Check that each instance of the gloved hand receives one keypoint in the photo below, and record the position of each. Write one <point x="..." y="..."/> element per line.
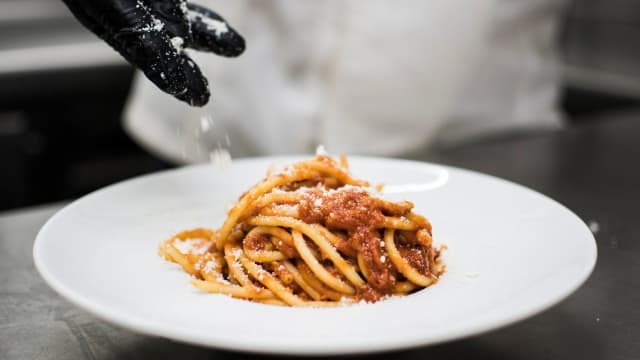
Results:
<point x="151" y="34"/>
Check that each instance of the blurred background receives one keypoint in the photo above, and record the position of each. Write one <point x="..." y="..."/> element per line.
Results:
<point x="62" y="93"/>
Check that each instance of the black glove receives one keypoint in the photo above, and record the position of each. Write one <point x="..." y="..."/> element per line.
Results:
<point x="150" y="34"/>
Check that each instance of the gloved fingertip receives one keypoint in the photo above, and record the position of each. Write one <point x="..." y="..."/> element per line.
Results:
<point x="196" y="91"/>
<point x="195" y="99"/>
<point x="210" y="32"/>
<point x="236" y="45"/>
<point x="229" y="43"/>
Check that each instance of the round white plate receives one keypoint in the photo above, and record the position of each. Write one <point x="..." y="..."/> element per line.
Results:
<point x="511" y="254"/>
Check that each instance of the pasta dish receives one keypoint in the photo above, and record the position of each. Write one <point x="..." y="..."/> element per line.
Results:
<point x="311" y="235"/>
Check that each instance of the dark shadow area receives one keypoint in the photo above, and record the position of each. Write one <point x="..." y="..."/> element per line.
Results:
<point x="61" y="135"/>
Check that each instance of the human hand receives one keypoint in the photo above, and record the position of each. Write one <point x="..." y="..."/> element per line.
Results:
<point x="151" y="35"/>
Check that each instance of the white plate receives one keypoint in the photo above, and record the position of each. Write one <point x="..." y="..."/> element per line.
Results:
<point x="512" y="253"/>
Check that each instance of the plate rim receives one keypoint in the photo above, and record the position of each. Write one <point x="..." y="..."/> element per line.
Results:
<point x="108" y="315"/>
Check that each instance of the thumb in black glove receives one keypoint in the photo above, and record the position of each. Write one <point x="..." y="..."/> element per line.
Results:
<point x="151" y="34"/>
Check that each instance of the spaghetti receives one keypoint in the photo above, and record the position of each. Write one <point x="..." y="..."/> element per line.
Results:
<point x="311" y="235"/>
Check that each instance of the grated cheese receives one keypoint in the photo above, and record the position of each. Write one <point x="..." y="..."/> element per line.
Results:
<point x="210" y="266"/>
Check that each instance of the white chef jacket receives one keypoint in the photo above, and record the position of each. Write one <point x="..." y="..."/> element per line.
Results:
<point x="378" y="77"/>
